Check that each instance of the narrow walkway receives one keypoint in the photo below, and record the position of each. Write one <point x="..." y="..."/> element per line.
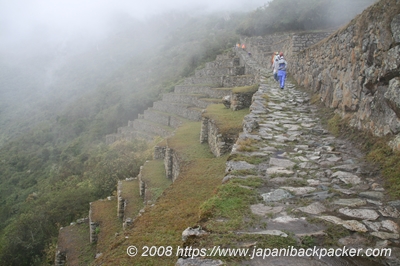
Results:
<point x="315" y="183"/>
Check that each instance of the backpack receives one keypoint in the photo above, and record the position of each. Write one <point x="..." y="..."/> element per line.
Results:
<point x="282" y="64"/>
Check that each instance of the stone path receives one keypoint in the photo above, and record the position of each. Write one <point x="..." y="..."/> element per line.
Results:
<point x="312" y="177"/>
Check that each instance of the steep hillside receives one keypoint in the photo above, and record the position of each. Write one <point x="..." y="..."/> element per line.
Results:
<point x="54" y="159"/>
<point x="289" y="184"/>
<point x="57" y="152"/>
<point x="289" y="187"/>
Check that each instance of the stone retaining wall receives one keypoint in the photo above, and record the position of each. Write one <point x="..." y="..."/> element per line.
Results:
<point x="171" y="164"/>
<point x="60" y="258"/>
<point x="120" y="201"/>
<point x="211" y="92"/>
<point x="241" y="100"/>
<point x="210" y="72"/>
<point x="150" y="128"/>
<point x="262" y="48"/>
<point x="213" y="81"/>
<point x="238" y="81"/>
<point x="219" y="63"/>
<point x="356" y="70"/>
<point x="177" y="109"/>
<point x="224" y="72"/>
<point x="171" y="161"/>
<point x="92" y="227"/>
<point x="193" y="100"/>
<point x="218" y="143"/>
<point x="162" y="118"/>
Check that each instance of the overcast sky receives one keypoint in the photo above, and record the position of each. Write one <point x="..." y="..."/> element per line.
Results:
<point x="21" y="17"/>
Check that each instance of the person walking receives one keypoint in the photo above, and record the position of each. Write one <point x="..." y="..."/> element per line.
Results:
<point x="282" y="65"/>
<point x="274" y="65"/>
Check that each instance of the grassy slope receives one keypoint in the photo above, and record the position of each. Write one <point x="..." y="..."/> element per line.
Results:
<point x="178" y="207"/>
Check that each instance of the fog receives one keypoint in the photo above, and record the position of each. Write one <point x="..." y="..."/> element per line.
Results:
<point x="20" y="19"/>
<point x="46" y="44"/>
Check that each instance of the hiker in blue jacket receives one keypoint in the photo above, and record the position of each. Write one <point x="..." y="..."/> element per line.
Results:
<point x="282" y="65"/>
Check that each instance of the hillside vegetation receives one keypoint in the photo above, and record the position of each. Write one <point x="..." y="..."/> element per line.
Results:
<point x="53" y="159"/>
<point x="300" y="15"/>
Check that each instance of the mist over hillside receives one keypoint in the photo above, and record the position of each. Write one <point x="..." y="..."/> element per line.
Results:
<point x="52" y="54"/>
<point x="74" y="72"/>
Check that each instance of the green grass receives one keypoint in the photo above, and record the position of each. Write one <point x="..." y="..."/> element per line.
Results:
<point x="231" y="202"/>
<point x="246" y="145"/>
<point x="227" y="120"/>
<point x="186" y="142"/>
<point x="104" y="212"/>
<point x="249" y="159"/>
<point x="246" y="89"/>
<point x="153" y="174"/>
<point x="178" y="207"/>
<point x="130" y="193"/>
<point x="334" y="125"/>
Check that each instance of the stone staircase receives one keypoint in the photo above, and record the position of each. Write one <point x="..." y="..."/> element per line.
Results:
<point x="313" y="182"/>
<point x="207" y="86"/>
<point x="313" y="179"/>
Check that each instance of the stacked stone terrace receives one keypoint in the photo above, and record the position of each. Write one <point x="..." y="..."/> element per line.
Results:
<point x="207" y="86"/>
<point x="311" y="176"/>
<point x="187" y="102"/>
<point x="312" y="181"/>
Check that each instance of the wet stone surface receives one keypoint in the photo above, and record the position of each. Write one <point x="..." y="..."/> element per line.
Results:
<point x="313" y="180"/>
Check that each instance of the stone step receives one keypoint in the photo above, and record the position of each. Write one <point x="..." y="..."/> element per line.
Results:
<point x="190" y="99"/>
<point x="222" y="81"/>
<point x="210" y="91"/>
<point x="220" y="71"/>
<point x="226" y="56"/>
<point x="128" y="133"/>
<point x="196" y="100"/>
<point x="163" y="118"/>
<point x="239" y="81"/>
<point x="215" y="81"/>
<point x="182" y="110"/>
<point x="152" y="128"/>
<point x="223" y="62"/>
<point x="310" y="174"/>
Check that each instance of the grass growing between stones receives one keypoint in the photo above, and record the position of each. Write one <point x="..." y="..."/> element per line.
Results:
<point x="247" y="145"/>
<point x="231" y="203"/>
<point x="249" y="159"/>
<point x="377" y="149"/>
<point x="247" y="241"/>
<point x="228" y="211"/>
<point x="334" y="125"/>
<point x="389" y="162"/>
<point x="377" y="152"/>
